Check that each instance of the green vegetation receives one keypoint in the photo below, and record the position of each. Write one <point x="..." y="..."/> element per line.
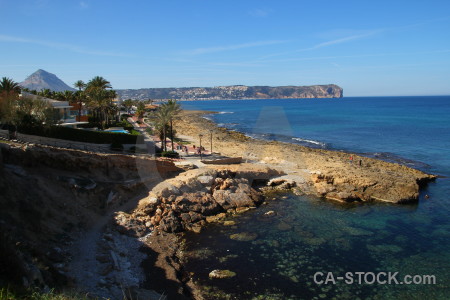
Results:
<point x="18" y="111"/>
<point x="31" y="115"/>
<point x="128" y="104"/>
<point x="79" y="96"/>
<point x="78" y="135"/>
<point x="97" y="94"/>
<point x="8" y="86"/>
<point x="163" y="121"/>
<point x="123" y="123"/>
<point x="170" y="154"/>
<point x="134" y="132"/>
<point x="8" y="294"/>
<point x="149" y="130"/>
<point x="116" y="146"/>
<point x="181" y="141"/>
<point x="99" y="99"/>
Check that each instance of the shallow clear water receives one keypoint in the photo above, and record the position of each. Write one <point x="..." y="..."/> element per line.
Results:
<point x="310" y="235"/>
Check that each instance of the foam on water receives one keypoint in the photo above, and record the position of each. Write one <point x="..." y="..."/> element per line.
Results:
<point x="322" y="145"/>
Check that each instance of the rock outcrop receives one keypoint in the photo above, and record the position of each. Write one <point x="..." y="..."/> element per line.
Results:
<point x="190" y="200"/>
<point x="325" y="173"/>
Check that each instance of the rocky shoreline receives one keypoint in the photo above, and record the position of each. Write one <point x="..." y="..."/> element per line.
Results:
<point x="331" y="174"/>
<point x="132" y="211"/>
<point x="215" y="193"/>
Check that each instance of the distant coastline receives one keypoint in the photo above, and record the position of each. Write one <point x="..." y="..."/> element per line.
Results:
<point x="235" y="92"/>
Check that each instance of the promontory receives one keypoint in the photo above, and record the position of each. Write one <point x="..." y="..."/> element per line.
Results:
<point x="235" y="92"/>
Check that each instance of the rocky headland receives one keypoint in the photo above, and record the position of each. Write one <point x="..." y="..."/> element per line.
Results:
<point x="331" y="174"/>
<point x="236" y="92"/>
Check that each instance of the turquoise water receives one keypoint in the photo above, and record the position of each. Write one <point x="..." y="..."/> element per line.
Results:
<point x="309" y="235"/>
<point x="118" y="131"/>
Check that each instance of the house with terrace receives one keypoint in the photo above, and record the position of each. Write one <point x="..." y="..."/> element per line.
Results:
<point x="64" y="111"/>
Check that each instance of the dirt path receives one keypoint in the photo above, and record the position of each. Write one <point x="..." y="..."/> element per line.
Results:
<point x="106" y="264"/>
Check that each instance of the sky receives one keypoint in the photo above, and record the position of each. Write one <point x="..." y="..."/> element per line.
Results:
<point x="369" y="48"/>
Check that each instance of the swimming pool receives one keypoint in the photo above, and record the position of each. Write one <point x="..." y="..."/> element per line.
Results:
<point x="118" y="131"/>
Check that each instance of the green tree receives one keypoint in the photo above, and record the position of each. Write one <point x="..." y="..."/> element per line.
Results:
<point x="174" y="110"/>
<point x="128" y="104"/>
<point x="98" y="82"/>
<point x="164" y="119"/>
<point x="9" y="87"/>
<point x="100" y="99"/>
<point x="79" y="95"/>
<point x="140" y="111"/>
<point x="31" y="112"/>
<point x="9" y="94"/>
<point x="47" y="93"/>
<point x="161" y="121"/>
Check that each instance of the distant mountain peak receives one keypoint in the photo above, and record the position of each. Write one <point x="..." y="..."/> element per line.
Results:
<point x="42" y="79"/>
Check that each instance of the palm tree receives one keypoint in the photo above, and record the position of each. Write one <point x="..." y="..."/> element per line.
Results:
<point x="98" y="82"/>
<point x="68" y="95"/>
<point x="140" y="111"/>
<point x="63" y="96"/>
<point x="128" y="104"/>
<point x="9" y="94"/>
<point x="47" y="93"/>
<point x="9" y="86"/>
<point x="99" y="101"/>
<point x="99" y="97"/>
<point x="161" y="124"/>
<point x="174" y="110"/>
<point x="80" y="85"/>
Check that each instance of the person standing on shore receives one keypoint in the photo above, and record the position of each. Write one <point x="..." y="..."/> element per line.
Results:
<point x="351" y="159"/>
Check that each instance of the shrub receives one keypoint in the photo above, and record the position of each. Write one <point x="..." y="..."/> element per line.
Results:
<point x="132" y="149"/>
<point x="116" y="146"/>
<point x="79" y="135"/>
<point x="124" y="116"/>
<point x="89" y="125"/>
<point x="170" y="154"/>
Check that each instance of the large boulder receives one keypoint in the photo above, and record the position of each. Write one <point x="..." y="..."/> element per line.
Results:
<point x="184" y="202"/>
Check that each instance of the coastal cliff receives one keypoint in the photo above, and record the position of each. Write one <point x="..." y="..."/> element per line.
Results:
<point x="235" y="92"/>
<point x="55" y="205"/>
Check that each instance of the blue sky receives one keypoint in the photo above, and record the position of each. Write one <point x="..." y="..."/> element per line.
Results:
<point x="367" y="47"/>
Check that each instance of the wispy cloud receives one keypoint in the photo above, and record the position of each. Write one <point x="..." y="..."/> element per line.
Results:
<point x="342" y="40"/>
<point x="207" y="50"/>
<point x="73" y="48"/>
<point x="83" y="5"/>
<point x="327" y="43"/>
<point x="445" y="51"/>
<point x="235" y="64"/>
<point x="258" y="12"/>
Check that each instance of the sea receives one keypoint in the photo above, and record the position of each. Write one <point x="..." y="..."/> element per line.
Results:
<point x="313" y="248"/>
